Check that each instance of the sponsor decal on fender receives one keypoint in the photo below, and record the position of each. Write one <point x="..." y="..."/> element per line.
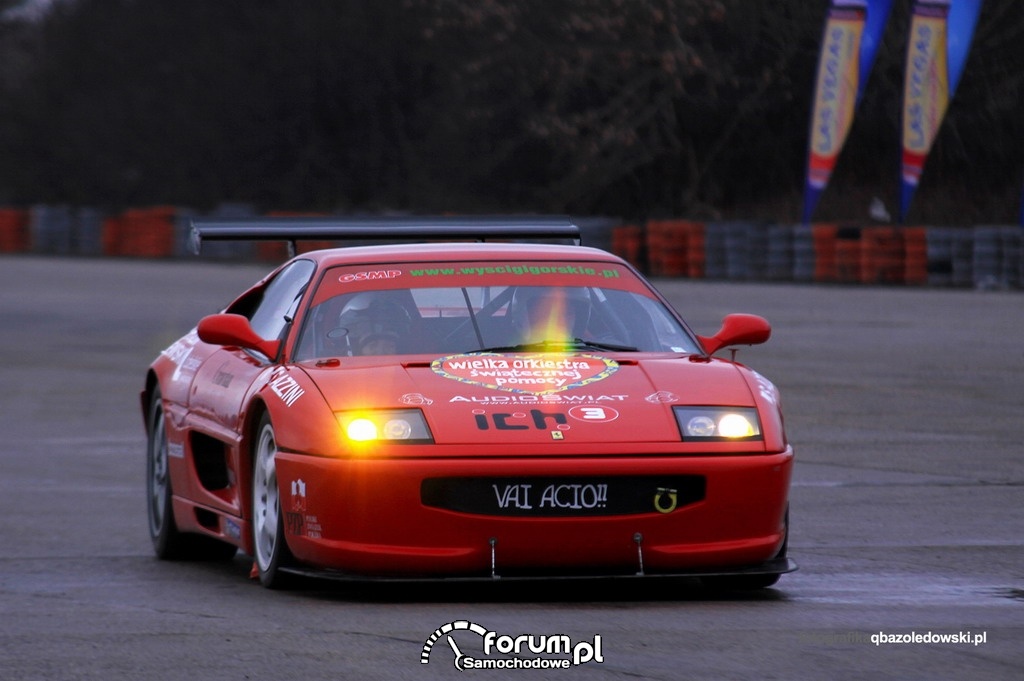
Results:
<point x="179" y="353"/>
<point x="232" y="529"/>
<point x="297" y="520"/>
<point x="286" y="387"/>
<point x="299" y="495"/>
<point x="531" y="374"/>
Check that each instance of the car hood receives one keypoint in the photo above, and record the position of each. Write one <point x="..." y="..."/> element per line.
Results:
<point x="533" y="398"/>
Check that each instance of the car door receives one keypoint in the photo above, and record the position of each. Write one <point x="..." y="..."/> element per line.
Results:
<point x="224" y="379"/>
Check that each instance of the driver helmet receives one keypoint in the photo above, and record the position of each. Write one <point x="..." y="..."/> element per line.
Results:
<point x="373" y="325"/>
<point x="550" y="312"/>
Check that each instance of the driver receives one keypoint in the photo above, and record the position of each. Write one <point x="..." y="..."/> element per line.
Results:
<point x="550" y="313"/>
<point x="372" y="325"/>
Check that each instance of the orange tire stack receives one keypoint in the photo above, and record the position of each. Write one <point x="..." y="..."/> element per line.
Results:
<point x="881" y="256"/>
<point x="675" y="248"/>
<point x="14" y="231"/>
<point x="696" y="256"/>
<point x="627" y="243"/>
<point x="915" y="256"/>
<point x="666" y="250"/>
<point x="141" y="233"/>
<point x="824" y="237"/>
<point x="848" y="254"/>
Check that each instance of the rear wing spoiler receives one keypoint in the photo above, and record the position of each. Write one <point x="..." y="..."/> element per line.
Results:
<point x="381" y="228"/>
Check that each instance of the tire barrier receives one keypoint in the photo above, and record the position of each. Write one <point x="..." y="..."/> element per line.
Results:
<point x="951" y="258"/>
<point x="50" y="229"/>
<point x="989" y="257"/>
<point x="804" y="260"/>
<point x="143" y="233"/>
<point x="628" y="244"/>
<point x="826" y="252"/>
<point x="986" y="257"/>
<point x="996" y="260"/>
<point x="882" y="256"/>
<point x="915" y="256"/>
<point x="674" y="248"/>
<point x="14" y="234"/>
<point x="781" y="253"/>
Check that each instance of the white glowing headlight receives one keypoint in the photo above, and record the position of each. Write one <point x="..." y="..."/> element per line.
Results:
<point x="361" y="430"/>
<point x="718" y="424"/>
<point x="405" y="426"/>
<point x="735" y="425"/>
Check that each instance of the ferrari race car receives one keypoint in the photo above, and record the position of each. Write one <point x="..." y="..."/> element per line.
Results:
<point x="464" y="409"/>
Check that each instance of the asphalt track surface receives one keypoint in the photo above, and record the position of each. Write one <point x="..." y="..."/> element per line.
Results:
<point x="904" y="405"/>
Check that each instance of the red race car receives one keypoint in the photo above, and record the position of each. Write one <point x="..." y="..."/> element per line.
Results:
<point x="463" y="410"/>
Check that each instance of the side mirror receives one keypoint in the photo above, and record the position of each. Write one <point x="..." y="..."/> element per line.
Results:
<point x="234" y="329"/>
<point x="737" y="329"/>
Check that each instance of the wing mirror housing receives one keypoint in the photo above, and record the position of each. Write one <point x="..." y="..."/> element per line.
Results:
<point x="738" y="329"/>
<point x="234" y="330"/>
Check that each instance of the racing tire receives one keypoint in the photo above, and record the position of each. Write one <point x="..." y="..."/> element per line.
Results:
<point x="749" y="582"/>
<point x="270" y="548"/>
<point x="169" y="543"/>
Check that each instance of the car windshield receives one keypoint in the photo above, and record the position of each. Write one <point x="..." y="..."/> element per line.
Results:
<point x="452" y="308"/>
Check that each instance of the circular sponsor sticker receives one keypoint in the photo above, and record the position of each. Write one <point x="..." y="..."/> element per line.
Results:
<point x="535" y="374"/>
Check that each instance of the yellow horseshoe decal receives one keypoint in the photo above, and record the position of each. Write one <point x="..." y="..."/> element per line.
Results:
<point x="673" y="498"/>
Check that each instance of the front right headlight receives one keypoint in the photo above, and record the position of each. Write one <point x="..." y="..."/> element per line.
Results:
<point x="718" y="424"/>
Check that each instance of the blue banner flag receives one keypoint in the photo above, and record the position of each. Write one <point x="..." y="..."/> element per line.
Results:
<point x="853" y="32"/>
<point x="937" y="47"/>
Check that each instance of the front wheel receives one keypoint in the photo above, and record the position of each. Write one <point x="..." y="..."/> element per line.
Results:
<point x="268" y="540"/>
<point x="162" y="529"/>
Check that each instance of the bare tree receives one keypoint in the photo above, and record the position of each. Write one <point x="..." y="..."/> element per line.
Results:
<point x="603" y="92"/>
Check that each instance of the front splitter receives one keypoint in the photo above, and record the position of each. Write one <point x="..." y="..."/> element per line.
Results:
<point x="775" y="566"/>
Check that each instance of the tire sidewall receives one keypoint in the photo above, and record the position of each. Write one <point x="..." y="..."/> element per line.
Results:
<point x="270" y="570"/>
<point x="163" y="533"/>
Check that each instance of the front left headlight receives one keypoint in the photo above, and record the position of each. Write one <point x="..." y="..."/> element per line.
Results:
<point x="718" y="424"/>
<point x="394" y="426"/>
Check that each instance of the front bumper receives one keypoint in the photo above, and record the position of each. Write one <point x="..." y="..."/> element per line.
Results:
<point x="367" y="517"/>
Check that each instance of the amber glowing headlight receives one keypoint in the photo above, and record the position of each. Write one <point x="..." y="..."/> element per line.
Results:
<point x="718" y="424"/>
<point x="398" y="426"/>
